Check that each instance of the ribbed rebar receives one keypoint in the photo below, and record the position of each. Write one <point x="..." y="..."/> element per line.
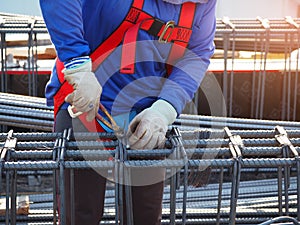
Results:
<point x="11" y="106"/>
<point x="89" y="164"/>
<point x="20" y="103"/>
<point x="35" y="145"/>
<point x="210" y="133"/>
<point x="205" y="148"/>
<point x="92" y="144"/>
<point x="33" y="136"/>
<point x="32" y="165"/>
<point x="24" y="98"/>
<point x="27" y="126"/>
<point x="241" y="125"/>
<point x="167" y="163"/>
<point x="31" y="145"/>
<point x="27" y="121"/>
<point x="47" y="136"/>
<point x="27" y="112"/>
<point x="247" y="142"/>
<point x="147" y="154"/>
<point x="240" y="120"/>
<point x="32" y="155"/>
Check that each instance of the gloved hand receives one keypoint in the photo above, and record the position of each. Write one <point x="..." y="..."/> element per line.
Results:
<point x="148" y="129"/>
<point x="87" y="90"/>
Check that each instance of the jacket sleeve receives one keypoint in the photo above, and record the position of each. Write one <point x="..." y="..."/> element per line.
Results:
<point x="64" y="23"/>
<point x="190" y="70"/>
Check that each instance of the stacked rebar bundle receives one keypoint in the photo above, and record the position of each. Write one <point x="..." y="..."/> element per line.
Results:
<point x="20" y="111"/>
<point x="187" y="156"/>
<point x="25" y="112"/>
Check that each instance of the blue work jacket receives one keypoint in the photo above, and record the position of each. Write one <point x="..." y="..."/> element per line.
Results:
<point x="78" y="27"/>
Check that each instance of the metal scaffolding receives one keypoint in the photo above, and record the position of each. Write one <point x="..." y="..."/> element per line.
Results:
<point x="264" y="38"/>
<point x="33" y="28"/>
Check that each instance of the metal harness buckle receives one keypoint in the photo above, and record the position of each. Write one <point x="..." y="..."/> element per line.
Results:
<point x="169" y="24"/>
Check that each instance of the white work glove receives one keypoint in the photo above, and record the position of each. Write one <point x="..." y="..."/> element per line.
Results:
<point x="148" y="129"/>
<point x="87" y="90"/>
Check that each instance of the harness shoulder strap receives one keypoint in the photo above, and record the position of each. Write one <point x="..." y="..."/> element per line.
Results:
<point x="134" y="15"/>
<point x="99" y="55"/>
<point x="179" y="47"/>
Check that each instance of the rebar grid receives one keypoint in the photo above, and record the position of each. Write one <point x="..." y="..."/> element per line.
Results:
<point x="225" y="203"/>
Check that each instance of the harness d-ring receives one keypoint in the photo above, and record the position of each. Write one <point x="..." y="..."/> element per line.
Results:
<point x="170" y="24"/>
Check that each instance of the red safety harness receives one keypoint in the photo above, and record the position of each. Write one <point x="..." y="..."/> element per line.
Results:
<point x="127" y="31"/>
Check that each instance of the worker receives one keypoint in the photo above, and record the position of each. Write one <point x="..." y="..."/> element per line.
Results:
<point x="144" y="59"/>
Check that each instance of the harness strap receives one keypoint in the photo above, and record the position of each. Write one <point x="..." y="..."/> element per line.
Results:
<point x="134" y="16"/>
<point x="64" y="90"/>
<point x="179" y="47"/>
<point x="167" y="32"/>
<point x="129" y="50"/>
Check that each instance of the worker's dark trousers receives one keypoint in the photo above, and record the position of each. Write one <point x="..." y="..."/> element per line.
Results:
<point x="89" y="189"/>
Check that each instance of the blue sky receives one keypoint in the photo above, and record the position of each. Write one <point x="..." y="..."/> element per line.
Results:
<point x="25" y="7"/>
